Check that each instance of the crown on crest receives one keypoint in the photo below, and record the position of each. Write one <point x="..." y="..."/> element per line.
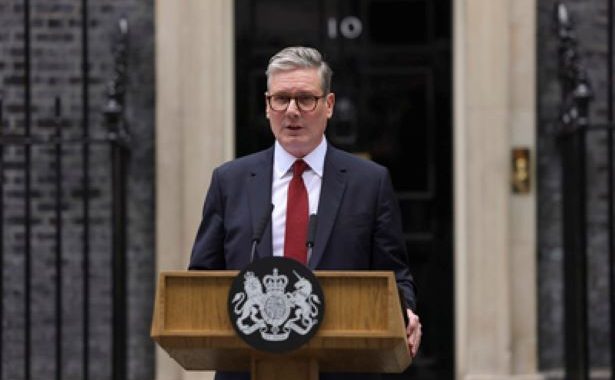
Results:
<point x="275" y="282"/>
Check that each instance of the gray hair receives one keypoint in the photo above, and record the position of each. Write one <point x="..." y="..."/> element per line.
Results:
<point x="300" y="57"/>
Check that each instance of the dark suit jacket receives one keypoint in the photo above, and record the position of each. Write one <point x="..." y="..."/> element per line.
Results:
<point x="359" y="225"/>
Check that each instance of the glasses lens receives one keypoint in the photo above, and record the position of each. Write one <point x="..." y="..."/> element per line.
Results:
<point x="306" y="103"/>
<point x="278" y="102"/>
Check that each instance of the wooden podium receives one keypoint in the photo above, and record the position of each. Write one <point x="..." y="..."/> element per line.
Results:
<point x="362" y="330"/>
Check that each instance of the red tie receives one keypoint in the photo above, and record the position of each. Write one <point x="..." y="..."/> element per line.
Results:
<point x="296" y="216"/>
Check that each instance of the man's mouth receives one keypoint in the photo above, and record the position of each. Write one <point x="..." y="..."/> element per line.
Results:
<point x="293" y="127"/>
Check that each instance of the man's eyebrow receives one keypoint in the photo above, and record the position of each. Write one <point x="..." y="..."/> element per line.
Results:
<point x="289" y="94"/>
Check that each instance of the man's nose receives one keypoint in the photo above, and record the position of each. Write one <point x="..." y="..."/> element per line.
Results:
<point x="292" y="106"/>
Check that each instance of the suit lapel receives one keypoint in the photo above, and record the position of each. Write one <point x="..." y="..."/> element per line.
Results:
<point x="259" y="193"/>
<point x="331" y="194"/>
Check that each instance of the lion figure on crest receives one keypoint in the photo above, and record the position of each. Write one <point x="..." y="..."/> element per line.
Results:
<point x="248" y="305"/>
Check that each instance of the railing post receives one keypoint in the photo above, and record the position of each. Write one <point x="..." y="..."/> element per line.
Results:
<point x="1" y="239"/>
<point x="575" y="261"/>
<point x="58" y="235"/>
<point x="576" y="96"/>
<point x="611" y="182"/>
<point x="119" y="138"/>
<point x="85" y="154"/>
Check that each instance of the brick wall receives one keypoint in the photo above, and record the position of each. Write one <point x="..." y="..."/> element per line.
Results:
<point x="56" y="72"/>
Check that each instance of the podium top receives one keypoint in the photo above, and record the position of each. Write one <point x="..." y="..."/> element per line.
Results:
<point x="362" y="330"/>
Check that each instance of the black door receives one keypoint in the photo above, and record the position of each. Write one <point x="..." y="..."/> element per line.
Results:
<point x="392" y="79"/>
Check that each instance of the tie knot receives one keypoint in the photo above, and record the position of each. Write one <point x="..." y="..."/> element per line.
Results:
<point x="299" y="167"/>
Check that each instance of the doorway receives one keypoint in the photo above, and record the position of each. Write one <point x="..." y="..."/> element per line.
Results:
<point x="392" y="79"/>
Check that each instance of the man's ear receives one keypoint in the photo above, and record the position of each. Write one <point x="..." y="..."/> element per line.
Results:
<point x="330" y="101"/>
<point x="266" y="108"/>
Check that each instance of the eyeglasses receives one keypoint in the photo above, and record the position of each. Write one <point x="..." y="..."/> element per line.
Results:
<point x="305" y="103"/>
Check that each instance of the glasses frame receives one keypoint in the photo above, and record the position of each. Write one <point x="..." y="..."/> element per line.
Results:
<point x="291" y="98"/>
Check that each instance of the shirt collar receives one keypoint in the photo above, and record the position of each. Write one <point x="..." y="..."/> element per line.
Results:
<point x="283" y="161"/>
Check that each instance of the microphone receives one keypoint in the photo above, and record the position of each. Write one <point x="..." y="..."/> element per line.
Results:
<point x="259" y="230"/>
<point x="311" y="235"/>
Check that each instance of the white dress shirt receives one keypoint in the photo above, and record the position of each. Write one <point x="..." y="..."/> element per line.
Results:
<point x="282" y="174"/>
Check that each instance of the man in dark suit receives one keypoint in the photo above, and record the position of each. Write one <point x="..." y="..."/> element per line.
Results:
<point x="359" y="225"/>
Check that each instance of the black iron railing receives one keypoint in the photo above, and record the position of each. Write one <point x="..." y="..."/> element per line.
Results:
<point x="120" y="139"/>
<point x="117" y="140"/>
<point x="574" y="124"/>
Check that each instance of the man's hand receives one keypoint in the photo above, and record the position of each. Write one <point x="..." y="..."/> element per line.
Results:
<point x="413" y="332"/>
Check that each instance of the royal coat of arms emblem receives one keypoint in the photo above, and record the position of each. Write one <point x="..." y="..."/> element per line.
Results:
<point x="276" y="304"/>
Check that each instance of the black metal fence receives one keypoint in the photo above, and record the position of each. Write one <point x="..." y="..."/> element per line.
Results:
<point x="22" y="152"/>
<point x="575" y="128"/>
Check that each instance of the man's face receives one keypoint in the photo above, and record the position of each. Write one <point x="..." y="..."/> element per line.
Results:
<point x="299" y="132"/>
